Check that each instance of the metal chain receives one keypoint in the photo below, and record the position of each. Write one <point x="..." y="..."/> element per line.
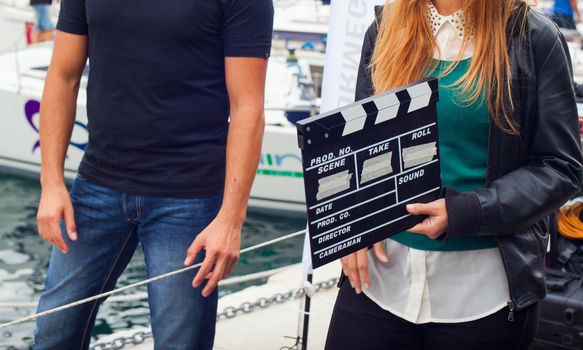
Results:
<point x="228" y="312"/>
<point x="277" y="298"/>
<point x="121" y="342"/>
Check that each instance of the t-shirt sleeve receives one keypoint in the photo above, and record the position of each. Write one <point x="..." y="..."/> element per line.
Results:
<point x="72" y="17"/>
<point x="247" y="28"/>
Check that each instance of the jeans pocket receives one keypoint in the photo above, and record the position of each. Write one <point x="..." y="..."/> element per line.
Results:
<point x="84" y="187"/>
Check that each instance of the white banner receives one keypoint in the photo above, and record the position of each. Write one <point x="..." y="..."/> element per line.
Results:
<point x="349" y="20"/>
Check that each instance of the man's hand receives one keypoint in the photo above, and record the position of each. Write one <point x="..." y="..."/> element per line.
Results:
<point x="55" y="205"/>
<point x="245" y="78"/>
<point x="57" y="117"/>
<point x="355" y="266"/>
<point x="436" y="222"/>
<point x="222" y="242"/>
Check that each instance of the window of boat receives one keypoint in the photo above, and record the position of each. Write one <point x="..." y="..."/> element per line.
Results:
<point x="46" y="68"/>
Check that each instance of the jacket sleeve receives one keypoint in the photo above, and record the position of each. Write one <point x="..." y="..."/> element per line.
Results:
<point x="364" y="87"/>
<point x="552" y="175"/>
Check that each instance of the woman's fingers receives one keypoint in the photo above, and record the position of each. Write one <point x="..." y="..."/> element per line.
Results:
<point x="355" y="267"/>
<point x="362" y="267"/>
<point x="423" y="227"/>
<point x="349" y="268"/>
<point x="380" y="251"/>
<point x="422" y="208"/>
<point x="435" y="224"/>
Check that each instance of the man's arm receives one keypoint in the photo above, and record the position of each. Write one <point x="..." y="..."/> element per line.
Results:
<point x="222" y="238"/>
<point x="57" y="117"/>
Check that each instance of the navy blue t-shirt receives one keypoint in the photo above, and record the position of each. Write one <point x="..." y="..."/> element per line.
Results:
<point x="157" y="102"/>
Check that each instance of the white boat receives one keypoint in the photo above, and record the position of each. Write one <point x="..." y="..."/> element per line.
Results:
<point x="297" y="22"/>
<point x="278" y="186"/>
<point x="301" y="20"/>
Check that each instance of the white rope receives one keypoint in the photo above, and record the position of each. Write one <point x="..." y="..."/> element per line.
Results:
<point x="141" y="283"/>
<point x="143" y="295"/>
<point x="18" y="305"/>
<point x="251" y="277"/>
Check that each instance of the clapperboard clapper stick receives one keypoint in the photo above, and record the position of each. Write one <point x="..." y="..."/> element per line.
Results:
<point x="363" y="163"/>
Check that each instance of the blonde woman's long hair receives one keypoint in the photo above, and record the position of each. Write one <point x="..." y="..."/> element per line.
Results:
<point x="405" y="45"/>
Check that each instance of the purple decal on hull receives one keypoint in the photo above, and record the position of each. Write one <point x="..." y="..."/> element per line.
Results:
<point x="31" y="108"/>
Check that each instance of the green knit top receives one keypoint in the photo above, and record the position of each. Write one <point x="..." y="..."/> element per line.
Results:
<point x="463" y="147"/>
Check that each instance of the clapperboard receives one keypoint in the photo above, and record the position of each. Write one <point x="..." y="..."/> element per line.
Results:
<point x="363" y="163"/>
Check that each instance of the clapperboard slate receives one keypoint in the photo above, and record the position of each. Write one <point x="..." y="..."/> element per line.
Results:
<point x="363" y="163"/>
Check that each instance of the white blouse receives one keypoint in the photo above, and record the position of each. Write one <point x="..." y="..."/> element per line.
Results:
<point x="433" y="286"/>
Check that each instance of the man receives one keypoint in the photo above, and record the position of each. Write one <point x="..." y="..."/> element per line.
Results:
<point x="563" y="11"/>
<point x="167" y="80"/>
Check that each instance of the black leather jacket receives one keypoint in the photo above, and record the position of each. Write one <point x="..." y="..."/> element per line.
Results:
<point x="529" y="175"/>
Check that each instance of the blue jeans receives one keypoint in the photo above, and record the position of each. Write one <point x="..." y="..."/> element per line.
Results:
<point x="109" y="226"/>
<point x="43" y="17"/>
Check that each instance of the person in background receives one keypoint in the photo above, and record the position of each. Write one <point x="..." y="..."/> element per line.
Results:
<point x="44" y="28"/>
<point x="563" y="12"/>
<point x="175" y="104"/>
<point x="470" y="275"/>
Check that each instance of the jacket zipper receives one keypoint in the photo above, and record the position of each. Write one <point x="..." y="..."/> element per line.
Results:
<point x="510" y="310"/>
<point x="510" y="302"/>
<point x="489" y="175"/>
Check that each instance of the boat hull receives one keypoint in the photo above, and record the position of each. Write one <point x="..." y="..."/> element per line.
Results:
<point x="278" y="186"/>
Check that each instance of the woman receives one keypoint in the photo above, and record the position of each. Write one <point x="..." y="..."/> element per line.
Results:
<point x="470" y="275"/>
<point x="44" y="28"/>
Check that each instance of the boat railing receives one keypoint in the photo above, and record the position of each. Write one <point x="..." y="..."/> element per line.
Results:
<point x="135" y="285"/>
<point x="138" y="336"/>
<point x="252" y="277"/>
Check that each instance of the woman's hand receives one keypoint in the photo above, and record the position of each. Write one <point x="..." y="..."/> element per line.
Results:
<point x="435" y="224"/>
<point x="355" y="266"/>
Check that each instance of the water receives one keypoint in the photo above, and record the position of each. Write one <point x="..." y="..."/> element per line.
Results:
<point x="24" y="259"/>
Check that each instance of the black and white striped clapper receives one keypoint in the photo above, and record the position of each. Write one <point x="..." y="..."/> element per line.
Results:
<point x="363" y="163"/>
